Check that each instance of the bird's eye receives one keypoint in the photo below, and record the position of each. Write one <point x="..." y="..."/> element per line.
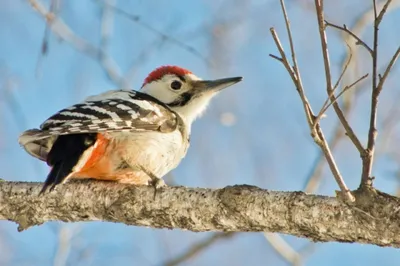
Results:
<point x="176" y="85"/>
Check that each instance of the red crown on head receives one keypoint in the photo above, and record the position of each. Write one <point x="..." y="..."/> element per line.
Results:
<point x="158" y="73"/>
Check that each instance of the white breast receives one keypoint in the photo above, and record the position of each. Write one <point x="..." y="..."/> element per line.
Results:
<point x="157" y="152"/>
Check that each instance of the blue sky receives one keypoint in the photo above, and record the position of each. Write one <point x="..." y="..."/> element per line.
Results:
<point x="268" y="145"/>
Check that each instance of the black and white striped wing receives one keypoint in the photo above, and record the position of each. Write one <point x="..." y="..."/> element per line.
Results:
<point x="121" y="111"/>
<point x="113" y="111"/>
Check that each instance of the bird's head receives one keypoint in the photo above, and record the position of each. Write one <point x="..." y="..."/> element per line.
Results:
<point x="182" y="91"/>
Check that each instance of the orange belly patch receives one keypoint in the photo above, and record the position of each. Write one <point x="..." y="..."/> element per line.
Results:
<point x="103" y="165"/>
<point x="97" y="153"/>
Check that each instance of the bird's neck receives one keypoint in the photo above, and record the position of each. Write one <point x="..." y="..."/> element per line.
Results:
<point x="193" y="110"/>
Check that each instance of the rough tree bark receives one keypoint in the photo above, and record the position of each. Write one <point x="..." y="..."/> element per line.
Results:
<point x="372" y="219"/>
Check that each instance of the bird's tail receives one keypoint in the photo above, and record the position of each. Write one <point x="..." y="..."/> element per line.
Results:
<point x="58" y="173"/>
<point x="37" y="143"/>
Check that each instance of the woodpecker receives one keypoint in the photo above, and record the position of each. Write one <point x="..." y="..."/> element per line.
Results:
<point x="126" y="136"/>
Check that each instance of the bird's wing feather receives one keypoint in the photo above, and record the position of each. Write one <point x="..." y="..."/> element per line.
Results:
<point x="113" y="111"/>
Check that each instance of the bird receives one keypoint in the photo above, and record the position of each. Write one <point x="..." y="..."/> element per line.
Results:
<point x="126" y="136"/>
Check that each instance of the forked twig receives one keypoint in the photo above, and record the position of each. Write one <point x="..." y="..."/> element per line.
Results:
<point x="324" y="44"/>
<point x="368" y="157"/>
<point x="328" y="101"/>
<point x="383" y="11"/>
<point x="387" y="71"/>
<point x="346" y="30"/>
<point x="315" y="128"/>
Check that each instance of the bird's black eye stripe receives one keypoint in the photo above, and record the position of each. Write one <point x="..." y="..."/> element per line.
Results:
<point x="176" y="85"/>
<point x="181" y="78"/>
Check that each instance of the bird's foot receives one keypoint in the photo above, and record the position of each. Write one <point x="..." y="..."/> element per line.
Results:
<point x="156" y="182"/>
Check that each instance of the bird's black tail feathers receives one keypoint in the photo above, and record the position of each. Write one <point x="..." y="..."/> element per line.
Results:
<point x="64" y="155"/>
<point x="58" y="173"/>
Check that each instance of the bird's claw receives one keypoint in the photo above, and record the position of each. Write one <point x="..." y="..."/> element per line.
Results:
<point x="157" y="183"/>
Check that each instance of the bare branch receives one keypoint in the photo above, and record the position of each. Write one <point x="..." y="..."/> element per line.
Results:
<point x="107" y="21"/>
<point x="137" y="19"/>
<point x="284" y="249"/>
<point x="345" y="29"/>
<point x="368" y="157"/>
<point x="231" y="209"/>
<point x="344" y="69"/>
<point x="65" y="240"/>
<point x="289" y="32"/>
<point x="276" y="57"/>
<point x="62" y="30"/>
<point x="361" y="24"/>
<point x="54" y="5"/>
<point x="296" y="81"/>
<point x="197" y="248"/>
<point x="315" y="175"/>
<point x="141" y="58"/>
<point x="383" y="11"/>
<point x="316" y="131"/>
<point x="349" y="131"/>
<point x="387" y="71"/>
<point x="327" y="104"/>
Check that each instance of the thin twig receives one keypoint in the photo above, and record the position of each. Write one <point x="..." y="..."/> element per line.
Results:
<point x="58" y="27"/>
<point x="141" y="58"/>
<point x="284" y="249"/>
<point x="346" y="66"/>
<point x="362" y="23"/>
<point x="65" y="240"/>
<point x="54" y="5"/>
<point x="345" y="29"/>
<point x="299" y="86"/>
<point x="295" y="69"/>
<point x="276" y="57"/>
<point x="349" y="131"/>
<point x="316" y="131"/>
<point x="106" y="27"/>
<point x="313" y="179"/>
<point x="315" y="176"/>
<point x="289" y="33"/>
<point x="333" y="167"/>
<point x="383" y="11"/>
<point x="387" y="71"/>
<point x="368" y="158"/>
<point x="366" y="179"/>
<point x="173" y="40"/>
<point x="197" y="248"/>
<point x="328" y="104"/>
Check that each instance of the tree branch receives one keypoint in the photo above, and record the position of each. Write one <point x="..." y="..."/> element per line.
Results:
<point x="197" y="248"/>
<point x="62" y="30"/>
<point x="324" y="44"/>
<point x="368" y="156"/>
<point x="316" y="131"/>
<point x="373" y="220"/>
<point x="352" y="34"/>
<point x="283" y="249"/>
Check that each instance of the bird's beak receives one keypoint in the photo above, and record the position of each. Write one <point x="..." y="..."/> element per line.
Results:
<point x="216" y="85"/>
